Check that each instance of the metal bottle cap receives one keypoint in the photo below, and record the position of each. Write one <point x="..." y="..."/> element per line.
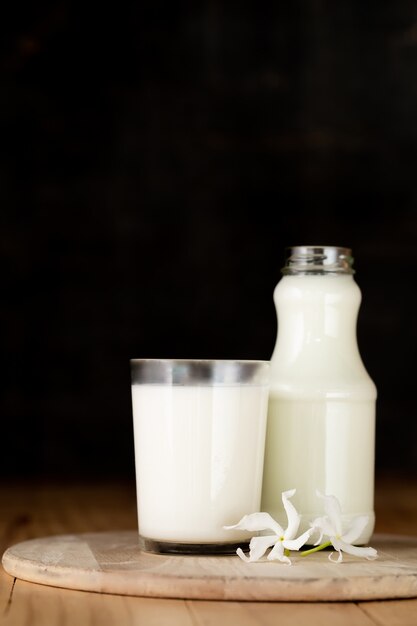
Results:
<point x="318" y="260"/>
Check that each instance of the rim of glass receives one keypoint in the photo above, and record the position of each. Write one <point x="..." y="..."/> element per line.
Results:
<point x="199" y="371"/>
<point x="157" y="360"/>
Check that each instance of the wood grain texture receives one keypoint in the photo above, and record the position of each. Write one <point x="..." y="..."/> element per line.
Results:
<point x="111" y="562"/>
<point x="39" y="509"/>
<point x="47" y="606"/>
<point x="392" y="613"/>
<point x="313" y="614"/>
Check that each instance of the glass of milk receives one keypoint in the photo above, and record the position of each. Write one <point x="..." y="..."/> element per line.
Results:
<point x="199" y="431"/>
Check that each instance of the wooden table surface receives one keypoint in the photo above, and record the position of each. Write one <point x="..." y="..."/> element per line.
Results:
<point x="40" y="509"/>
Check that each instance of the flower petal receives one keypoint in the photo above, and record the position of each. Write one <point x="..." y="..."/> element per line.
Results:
<point x="257" y="521"/>
<point x="242" y="555"/>
<point x="322" y="525"/>
<point x="339" y="558"/>
<point x="333" y="511"/>
<point x="355" y="529"/>
<point x="367" y="553"/>
<point x="295" y="544"/>
<point x="277" y="553"/>
<point x="292" y="515"/>
<point x="259" y="545"/>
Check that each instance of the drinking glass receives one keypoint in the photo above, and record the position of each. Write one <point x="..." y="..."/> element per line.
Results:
<point x="199" y="432"/>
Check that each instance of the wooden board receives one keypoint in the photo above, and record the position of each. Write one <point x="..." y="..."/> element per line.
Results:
<point x="111" y="562"/>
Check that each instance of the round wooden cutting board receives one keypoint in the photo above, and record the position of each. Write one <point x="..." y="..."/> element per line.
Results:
<point x="112" y="562"/>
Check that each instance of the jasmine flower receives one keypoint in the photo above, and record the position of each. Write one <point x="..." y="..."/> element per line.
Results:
<point x="330" y="526"/>
<point x="282" y="540"/>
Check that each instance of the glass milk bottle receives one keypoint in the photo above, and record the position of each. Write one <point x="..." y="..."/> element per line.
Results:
<point x="321" y="415"/>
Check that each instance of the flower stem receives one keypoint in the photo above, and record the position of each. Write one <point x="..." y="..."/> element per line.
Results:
<point x="316" y="549"/>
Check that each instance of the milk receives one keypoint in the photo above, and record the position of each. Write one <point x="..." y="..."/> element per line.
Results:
<point x="199" y="454"/>
<point x="321" y="416"/>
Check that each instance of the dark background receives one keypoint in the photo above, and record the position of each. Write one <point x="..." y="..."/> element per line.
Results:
<point x="156" y="159"/>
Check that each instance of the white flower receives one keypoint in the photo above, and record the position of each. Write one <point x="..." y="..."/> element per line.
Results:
<point x="331" y="527"/>
<point x="281" y="540"/>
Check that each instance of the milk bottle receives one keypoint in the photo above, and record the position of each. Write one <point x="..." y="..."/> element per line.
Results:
<point x="321" y="415"/>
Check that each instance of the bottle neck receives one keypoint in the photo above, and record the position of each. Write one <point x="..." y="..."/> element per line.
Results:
<point x="317" y="317"/>
<point x="318" y="306"/>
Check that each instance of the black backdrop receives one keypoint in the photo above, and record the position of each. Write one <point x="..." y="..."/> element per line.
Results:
<point x="156" y="160"/>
